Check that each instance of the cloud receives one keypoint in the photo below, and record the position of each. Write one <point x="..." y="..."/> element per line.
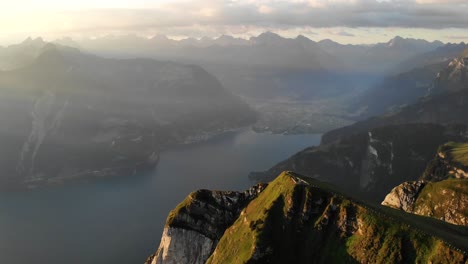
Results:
<point x="179" y="16"/>
<point x="314" y="13"/>
<point x="457" y="37"/>
<point x="344" y="34"/>
<point x="440" y="1"/>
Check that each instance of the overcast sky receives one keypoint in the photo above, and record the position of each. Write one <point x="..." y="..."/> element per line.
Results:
<point x="346" y="21"/>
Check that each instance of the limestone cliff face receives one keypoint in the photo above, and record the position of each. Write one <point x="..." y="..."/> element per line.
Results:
<point x="404" y="195"/>
<point x="194" y="228"/>
<point x="180" y="245"/>
<point x="445" y="200"/>
<point x="454" y="77"/>
<point x="442" y="191"/>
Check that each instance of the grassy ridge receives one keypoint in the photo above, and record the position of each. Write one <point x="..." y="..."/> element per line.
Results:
<point x="240" y="240"/>
<point x="444" y="200"/>
<point x="274" y="228"/>
<point x="456" y="236"/>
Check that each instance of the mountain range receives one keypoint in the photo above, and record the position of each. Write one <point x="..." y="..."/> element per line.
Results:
<point x="266" y="49"/>
<point x="389" y="187"/>
<point x="69" y="115"/>
<point x="334" y="84"/>
<point x="353" y="156"/>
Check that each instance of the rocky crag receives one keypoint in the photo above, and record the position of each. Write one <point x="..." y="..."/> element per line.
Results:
<point x="442" y="191"/>
<point x="194" y="228"/>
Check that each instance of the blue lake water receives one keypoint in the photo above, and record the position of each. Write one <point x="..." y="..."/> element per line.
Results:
<point x="120" y="220"/>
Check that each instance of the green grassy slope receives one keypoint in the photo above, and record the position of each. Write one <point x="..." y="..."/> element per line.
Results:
<point x="458" y="152"/>
<point x="300" y="220"/>
<point x="446" y="200"/>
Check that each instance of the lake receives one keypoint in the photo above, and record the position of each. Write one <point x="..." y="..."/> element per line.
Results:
<point x="120" y="220"/>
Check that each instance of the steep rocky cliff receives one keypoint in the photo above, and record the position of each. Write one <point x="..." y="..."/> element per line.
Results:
<point x="445" y="200"/>
<point x="404" y="195"/>
<point x="194" y="228"/>
<point x="373" y="162"/>
<point x="454" y="77"/>
<point x="300" y="220"/>
<point x="442" y="192"/>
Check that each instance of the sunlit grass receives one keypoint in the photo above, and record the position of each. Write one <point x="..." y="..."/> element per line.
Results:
<point x="458" y="152"/>
<point x="386" y="235"/>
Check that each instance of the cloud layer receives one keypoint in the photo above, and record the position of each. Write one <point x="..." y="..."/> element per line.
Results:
<point x="314" y="13"/>
<point x="208" y="17"/>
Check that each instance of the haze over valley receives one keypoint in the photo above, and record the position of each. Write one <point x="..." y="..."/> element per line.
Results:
<point x="166" y="132"/>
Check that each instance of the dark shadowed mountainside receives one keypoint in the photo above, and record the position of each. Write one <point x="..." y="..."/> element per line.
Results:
<point x="371" y="163"/>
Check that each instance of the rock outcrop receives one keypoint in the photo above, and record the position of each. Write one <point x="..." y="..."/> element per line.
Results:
<point x="445" y="200"/>
<point x="404" y="195"/>
<point x="453" y="78"/>
<point x="194" y="228"/>
<point x="183" y="246"/>
<point x="442" y="191"/>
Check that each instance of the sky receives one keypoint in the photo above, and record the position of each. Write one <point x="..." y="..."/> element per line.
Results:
<point x="345" y="21"/>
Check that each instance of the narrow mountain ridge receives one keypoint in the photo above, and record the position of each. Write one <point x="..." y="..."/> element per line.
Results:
<point x="298" y="219"/>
